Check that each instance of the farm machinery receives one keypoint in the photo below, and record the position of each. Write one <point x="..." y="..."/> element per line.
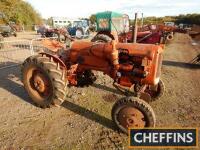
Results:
<point x="6" y="28"/>
<point x="134" y="68"/>
<point x="79" y="28"/>
<point x="115" y="26"/>
<point x="55" y="32"/>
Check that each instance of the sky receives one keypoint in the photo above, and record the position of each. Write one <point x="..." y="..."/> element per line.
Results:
<point x="84" y="8"/>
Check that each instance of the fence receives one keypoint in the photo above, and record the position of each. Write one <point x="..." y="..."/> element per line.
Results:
<point x="13" y="53"/>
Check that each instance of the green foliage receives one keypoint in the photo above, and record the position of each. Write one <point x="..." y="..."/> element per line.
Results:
<point x="157" y="20"/>
<point x="188" y="19"/>
<point x="49" y="21"/>
<point x="185" y="19"/>
<point x="20" y="12"/>
<point x="92" y="19"/>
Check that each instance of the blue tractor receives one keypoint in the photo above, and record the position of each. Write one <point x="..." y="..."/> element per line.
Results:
<point x="79" y="28"/>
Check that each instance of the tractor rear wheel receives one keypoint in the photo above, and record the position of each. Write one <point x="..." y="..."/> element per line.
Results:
<point x="44" y="80"/>
<point x="131" y="112"/>
<point x="79" y="34"/>
<point x="102" y="38"/>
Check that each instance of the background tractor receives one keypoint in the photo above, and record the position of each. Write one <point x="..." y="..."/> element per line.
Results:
<point x="7" y="31"/>
<point x="7" y="28"/>
<point x="79" y="28"/>
<point x="134" y="68"/>
<point x="115" y="26"/>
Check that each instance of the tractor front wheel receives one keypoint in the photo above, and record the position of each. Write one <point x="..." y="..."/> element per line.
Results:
<point x="44" y="80"/>
<point x="132" y="112"/>
<point x="156" y="91"/>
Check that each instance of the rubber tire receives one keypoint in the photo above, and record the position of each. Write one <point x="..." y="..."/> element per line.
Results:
<point x="160" y="92"/>
<point x="54" y="73"/>
<point x="143" y="106"/>
<point x="102" y="38"/>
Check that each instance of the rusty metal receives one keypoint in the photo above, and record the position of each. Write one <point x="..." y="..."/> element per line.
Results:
<point x="105" y="57"/>
<point x="129" y="117"/>
<point x="38" y="83"/>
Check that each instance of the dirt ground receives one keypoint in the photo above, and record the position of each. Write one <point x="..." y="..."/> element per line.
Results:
<point x="84" y="119"/>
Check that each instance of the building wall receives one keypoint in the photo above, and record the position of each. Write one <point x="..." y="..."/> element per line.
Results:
<point x="60" y="21"/>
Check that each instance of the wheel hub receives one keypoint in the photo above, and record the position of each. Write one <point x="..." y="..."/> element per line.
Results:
<point x="40" y="82"/>
<point x="131" y="117"/>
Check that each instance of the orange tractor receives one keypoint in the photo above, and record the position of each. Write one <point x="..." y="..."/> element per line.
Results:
<point x="134" y="68"/>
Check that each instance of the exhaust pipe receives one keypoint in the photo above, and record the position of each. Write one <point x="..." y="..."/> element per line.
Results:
<point x="135" y="29"/>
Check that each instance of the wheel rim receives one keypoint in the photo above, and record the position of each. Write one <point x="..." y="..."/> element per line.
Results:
<point x="38" y="84"/>
<point x="78" y="34"/>
<point x="131" y="117"/>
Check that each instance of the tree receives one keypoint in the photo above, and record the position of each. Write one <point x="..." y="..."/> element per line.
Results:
<point x="93" y="19"/>
<point x="20" y="12"/>
<point x="49" y="21"/>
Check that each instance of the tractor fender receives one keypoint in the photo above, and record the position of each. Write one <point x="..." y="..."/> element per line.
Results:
<point x="108" y="34"/>
<point x="55" y="59"/>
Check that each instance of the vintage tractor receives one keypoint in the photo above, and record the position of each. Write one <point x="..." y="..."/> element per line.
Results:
<point x="168" y="30"/>
<point x="79" y="28"/>
<point x="146" y="34"/>
<point x="134" y="68"/>
<point x="7" y="28"/>
<point x="115" y="26"/>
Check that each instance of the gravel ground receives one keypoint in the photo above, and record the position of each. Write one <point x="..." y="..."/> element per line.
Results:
<point x="84" y="120"/>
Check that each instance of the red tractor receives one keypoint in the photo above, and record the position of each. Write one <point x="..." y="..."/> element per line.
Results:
<point x="134" y="68"/>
